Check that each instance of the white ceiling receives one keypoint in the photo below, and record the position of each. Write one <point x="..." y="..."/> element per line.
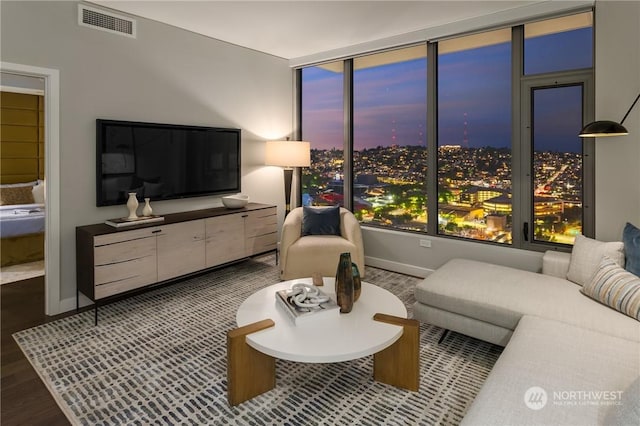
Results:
<point x="298" y="29"/>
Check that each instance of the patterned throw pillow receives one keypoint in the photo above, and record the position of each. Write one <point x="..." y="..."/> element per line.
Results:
<point x="611" y="285"/>
<point x="16" y="195"/>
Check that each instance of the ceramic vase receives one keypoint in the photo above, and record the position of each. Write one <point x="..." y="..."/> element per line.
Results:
<point x="344" y="284"/>
<point x="147" y="210"/>
<point x="357" y="283"/>
<point x="132" y="205"/>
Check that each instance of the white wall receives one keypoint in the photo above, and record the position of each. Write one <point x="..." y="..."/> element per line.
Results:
<point x="166" y="75"/>
<point x="617" y="85"/>
<point x="617" y="69"/>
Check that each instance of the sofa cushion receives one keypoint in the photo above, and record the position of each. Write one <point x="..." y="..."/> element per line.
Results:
<point x="615" y="287"/>
<point x="501" y="295"/>
<point x="631" y="240"/>
<point x="546" y="357"/>
<point x="321" y="220"/>
<point x="628" y="412"/>
<point x="587" y="254"/>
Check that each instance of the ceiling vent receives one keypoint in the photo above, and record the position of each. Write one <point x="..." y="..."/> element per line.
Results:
<point x="106" y="21"/>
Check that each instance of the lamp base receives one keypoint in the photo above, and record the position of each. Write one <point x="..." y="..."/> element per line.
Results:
<point x="288" y="177"/>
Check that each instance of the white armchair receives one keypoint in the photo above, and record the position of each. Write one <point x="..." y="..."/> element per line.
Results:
<point x="301" y="256"/>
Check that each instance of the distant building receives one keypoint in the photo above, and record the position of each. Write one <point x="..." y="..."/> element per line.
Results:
<point x="478" y="194"/>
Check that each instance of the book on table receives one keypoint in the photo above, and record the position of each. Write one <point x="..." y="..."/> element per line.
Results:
<point x="300" y="314"/>
<point x="140" y="220"/>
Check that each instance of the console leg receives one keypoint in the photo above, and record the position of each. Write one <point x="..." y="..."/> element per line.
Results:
<point x="443" y="336"/>
<point x="399" y="364"/>
<point x="249" y="372"/>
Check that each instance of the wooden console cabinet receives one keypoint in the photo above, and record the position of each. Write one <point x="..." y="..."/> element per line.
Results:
<point x="113" y="261"/>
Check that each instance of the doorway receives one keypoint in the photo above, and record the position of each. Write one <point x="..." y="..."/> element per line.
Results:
<point x="51" y="79"/>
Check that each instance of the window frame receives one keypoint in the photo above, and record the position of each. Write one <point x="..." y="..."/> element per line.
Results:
<point x="522" y="156"/>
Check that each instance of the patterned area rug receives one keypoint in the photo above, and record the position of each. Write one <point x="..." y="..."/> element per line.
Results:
<point x="160" y="358"/>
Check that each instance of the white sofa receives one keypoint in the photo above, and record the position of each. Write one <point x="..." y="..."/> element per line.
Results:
<point x="557" y="339"/>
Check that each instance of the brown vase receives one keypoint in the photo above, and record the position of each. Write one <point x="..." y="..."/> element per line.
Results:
<point x="344" y="284"/>
<point x="357" y="283"/>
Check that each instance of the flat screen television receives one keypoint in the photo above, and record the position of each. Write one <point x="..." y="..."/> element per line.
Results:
<point x="164" y="161"/>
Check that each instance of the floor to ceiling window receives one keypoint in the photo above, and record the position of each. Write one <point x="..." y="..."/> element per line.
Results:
<point x="389" y="138"/>
<point x="322" y="124"/>
<point x="500" y="111"/>
<point x="474" y="136"/>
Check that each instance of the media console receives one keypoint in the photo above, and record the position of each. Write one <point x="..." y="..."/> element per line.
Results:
<point x="112" y="262"/>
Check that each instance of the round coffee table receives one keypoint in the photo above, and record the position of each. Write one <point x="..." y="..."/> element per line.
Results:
<point x="377" y="325"/>
<point x="329" y="336"/>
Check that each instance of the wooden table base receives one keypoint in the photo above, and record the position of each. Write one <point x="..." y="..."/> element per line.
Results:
<point x="249" y="372"/>
<point x="399" y="364"/>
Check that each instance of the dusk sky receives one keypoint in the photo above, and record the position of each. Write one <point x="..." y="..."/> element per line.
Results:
<point x="390" y="100"/>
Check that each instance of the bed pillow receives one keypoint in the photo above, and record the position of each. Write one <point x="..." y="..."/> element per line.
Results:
<point x="16" y="195"/>
<point x="38" y="193"/>
<point x="587" y="254"/>
<point x="321" y="220"/>
<point x="611" y="285"/>
<point x="15" y="185"/>
<point x="631" y="240"/>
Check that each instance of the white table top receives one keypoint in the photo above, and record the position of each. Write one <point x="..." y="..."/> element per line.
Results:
<point x="329" y="337"/>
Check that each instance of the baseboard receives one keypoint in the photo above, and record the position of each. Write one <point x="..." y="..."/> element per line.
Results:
<point x="402" y="268"/>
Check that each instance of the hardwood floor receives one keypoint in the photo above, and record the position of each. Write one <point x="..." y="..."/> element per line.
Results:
<point x="24" y="398"/>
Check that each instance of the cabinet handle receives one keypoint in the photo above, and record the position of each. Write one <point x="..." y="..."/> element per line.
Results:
<point x="245" y="215"/>
<point x="156" y="231"/>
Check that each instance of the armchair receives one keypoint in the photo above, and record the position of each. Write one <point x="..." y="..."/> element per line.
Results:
<point x="301" y="256"/>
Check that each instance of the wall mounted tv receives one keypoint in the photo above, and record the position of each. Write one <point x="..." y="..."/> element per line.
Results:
<point x="164" y="161"/>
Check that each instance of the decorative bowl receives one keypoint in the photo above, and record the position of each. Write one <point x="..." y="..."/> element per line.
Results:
<point x="235" y="201"/>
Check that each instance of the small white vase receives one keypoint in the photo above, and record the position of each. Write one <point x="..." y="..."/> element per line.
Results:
<point x="146" y="210"/>
<point x="132" y="205"/>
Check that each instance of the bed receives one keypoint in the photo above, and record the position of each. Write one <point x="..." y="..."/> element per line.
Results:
<point x="21" y="229"/>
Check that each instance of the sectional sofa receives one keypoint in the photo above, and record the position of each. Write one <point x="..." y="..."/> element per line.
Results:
<point x="568" y="359"/>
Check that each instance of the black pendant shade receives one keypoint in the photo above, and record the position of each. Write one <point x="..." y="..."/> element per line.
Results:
<point x="605" y="128"/>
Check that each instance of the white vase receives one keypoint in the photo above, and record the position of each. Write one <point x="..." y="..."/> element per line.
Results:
<point x="132" y="205"/>
<point x="146" y="210"/>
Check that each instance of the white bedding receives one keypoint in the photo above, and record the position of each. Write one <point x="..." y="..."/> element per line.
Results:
<point x="21" y="219"/>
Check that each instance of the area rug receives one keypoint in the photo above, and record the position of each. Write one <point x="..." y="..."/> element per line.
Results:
<point x="159" y="358"/>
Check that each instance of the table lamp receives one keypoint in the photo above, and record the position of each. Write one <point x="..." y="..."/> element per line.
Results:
<point x="288" y="154"/>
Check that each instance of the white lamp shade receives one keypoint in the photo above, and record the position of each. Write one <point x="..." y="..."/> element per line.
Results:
<point x="288" y="154"/>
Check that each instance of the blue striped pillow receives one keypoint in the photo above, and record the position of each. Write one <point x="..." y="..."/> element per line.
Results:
<point x="611" y="285"/>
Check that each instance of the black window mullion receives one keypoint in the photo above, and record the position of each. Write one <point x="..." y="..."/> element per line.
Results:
<point x="348" y="134"/>
<point x="432" y="138"/>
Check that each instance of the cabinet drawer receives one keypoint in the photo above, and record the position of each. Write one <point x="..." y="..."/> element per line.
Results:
<point x="261" y="222"/>
<point x="116" y="278"/>
<point x="124" y="251"/>
<point x="119" y="237"/>
<point x="262" y="243"/>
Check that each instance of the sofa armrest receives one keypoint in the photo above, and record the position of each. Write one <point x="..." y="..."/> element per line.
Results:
<point x="556" y="263"/>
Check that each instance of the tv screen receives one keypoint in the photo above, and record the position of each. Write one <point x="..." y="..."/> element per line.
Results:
<point x="164" y="161"/>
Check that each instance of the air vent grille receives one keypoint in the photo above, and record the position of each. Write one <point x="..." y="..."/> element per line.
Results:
<point x="106" y="21"/>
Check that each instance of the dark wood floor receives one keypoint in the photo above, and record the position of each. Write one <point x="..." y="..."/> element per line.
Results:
<point x="24" y="398"/>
